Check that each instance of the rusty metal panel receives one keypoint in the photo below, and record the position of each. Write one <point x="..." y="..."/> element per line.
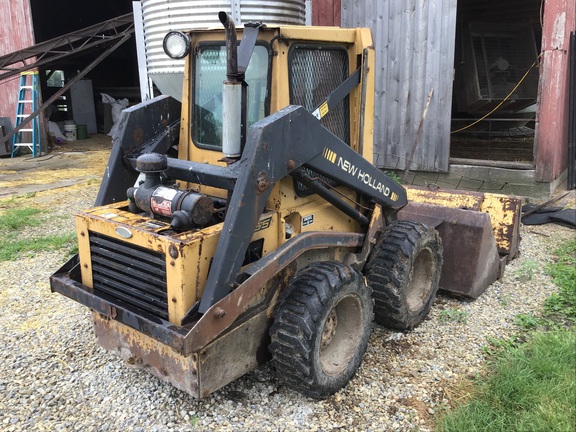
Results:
<point x="142" y="351"/>
<point x="414" y="43"/>
<point x="552" y="121"/>
<point x="16" y="33"/>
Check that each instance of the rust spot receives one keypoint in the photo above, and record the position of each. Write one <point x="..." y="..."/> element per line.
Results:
<point x="85" y="266"/>
<point x="174" y="300"/>
<point x="263" y="181"/>
<point x="82" y="233"/>
<point x="172" y="263"/>
<point x="138" y="136"/>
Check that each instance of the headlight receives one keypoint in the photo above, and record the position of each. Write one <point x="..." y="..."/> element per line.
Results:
<point x="176" y="45"/>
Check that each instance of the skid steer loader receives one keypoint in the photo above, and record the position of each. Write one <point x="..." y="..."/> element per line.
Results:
<point x="248" y="223"/>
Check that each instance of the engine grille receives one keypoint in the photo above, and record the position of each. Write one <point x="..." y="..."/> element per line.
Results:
<point x="131" y="274"/>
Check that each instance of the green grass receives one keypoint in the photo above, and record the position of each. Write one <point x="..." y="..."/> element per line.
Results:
<point x="563" y="304"/>
<point x="453" y="315"/>
<point x="14" y="221"/>
<point x="18" y="219"/>
<point x="532" y="388"/>
<point x="394" y="176"/>
<point x="11" y="249"/>
<point x="527" y="270"/>
<point x="529" y="383"/>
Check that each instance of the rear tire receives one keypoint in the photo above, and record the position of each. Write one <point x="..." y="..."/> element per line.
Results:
<point x="321" y="329"/>
<point x="403" y="271"/>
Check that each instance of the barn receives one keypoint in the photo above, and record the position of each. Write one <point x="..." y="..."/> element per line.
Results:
<point x="470" y="94"/>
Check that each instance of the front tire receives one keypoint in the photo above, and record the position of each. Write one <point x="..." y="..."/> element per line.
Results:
<point x="321" y="329"/>
<point x="403" y="271"/>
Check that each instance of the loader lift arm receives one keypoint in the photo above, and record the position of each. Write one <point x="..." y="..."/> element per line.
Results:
<point x="277" y="146"/>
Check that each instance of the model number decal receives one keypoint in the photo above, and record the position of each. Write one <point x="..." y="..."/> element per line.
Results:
<point x="307" y="220"/>
<point x="263" y="224"/>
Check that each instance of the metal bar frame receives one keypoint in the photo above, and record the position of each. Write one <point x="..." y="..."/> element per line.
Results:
<point x="67" y="45"/>
<point x="65" y="88"/>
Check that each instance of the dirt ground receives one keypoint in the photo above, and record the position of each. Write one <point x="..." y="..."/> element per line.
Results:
<point x="68" y="164"/>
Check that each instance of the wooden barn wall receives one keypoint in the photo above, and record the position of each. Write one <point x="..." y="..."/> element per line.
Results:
<point x="414" y="42"/>
<point x="15" y="33"/>
<point x="326" y="12"/>
<point x="551" y="149"/>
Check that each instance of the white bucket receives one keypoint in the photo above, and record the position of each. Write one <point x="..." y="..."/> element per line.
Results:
<point x="70" y="132"/>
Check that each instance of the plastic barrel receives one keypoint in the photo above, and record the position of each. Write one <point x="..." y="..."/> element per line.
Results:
<point x="81" y="132"/>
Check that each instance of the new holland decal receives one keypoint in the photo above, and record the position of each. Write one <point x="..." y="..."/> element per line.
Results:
<point x="357" y="173"/>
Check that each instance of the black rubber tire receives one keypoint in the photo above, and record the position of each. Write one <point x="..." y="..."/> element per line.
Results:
<point x="321" y="329"/>
<point x="403" y="270"/>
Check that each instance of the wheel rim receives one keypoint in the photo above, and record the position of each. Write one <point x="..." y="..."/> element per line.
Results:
<point x="341" y="335"/>
<point x="420" y="281"/>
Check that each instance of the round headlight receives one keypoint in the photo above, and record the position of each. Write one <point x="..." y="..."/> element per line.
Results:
<point x="176" y="45"/>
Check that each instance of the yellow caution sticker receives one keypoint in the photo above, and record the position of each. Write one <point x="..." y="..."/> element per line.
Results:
<point x="323" y="109"/>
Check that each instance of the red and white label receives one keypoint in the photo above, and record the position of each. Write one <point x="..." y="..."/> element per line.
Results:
<point x="161" y="202"/>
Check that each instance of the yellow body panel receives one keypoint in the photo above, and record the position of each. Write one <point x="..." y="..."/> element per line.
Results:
<point x="186" y="270"/>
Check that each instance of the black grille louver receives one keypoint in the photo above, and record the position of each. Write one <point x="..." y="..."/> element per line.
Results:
<point x="136" y="276"/>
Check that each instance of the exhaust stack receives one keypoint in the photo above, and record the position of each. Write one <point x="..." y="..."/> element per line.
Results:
<point x="231" y="93"/>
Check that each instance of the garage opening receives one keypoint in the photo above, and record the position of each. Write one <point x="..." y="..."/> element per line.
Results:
<point x="496" y="82"/>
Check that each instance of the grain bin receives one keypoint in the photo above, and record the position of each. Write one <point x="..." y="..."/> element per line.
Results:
<point x="161" y="16"/>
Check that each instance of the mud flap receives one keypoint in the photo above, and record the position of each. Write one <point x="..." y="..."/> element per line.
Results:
<point x="471" y="259"/>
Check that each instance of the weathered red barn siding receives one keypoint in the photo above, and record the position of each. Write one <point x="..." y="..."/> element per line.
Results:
<point x="551" y="147"/>
<point x="326" y="13"/>
<point x="16" y="32"/>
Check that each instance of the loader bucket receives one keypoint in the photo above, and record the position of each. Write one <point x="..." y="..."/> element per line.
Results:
<point x="479" y="231"/>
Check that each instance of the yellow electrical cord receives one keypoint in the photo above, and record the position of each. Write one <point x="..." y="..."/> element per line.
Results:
<point x="504" y="100"/>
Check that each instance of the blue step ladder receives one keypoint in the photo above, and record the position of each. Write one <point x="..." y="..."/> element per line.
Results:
<point x="27" y="103"/>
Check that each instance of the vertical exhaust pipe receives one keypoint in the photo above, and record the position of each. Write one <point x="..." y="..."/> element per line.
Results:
<point x="232" y="111"/>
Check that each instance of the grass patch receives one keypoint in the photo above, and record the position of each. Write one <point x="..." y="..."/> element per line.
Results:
<point x="531" y="388"/>
<point x="13" y="221"/>
<point x="394" y="176"/>
<point x="12" y="249"/>
<point x="17" y="219"/>
<point x="453" y="315"/>
<point x="562" y="305"/>
<point x="527" y="270"/>
<point x="530" y="382"/>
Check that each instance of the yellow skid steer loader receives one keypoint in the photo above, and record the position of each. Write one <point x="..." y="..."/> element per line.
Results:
<point x="248" y="223"/>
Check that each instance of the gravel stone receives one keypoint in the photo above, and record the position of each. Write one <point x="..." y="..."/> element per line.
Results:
<point x="54" y="377"/>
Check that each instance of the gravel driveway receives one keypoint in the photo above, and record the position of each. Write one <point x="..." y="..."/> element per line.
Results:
<point x="53" y="376"/>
